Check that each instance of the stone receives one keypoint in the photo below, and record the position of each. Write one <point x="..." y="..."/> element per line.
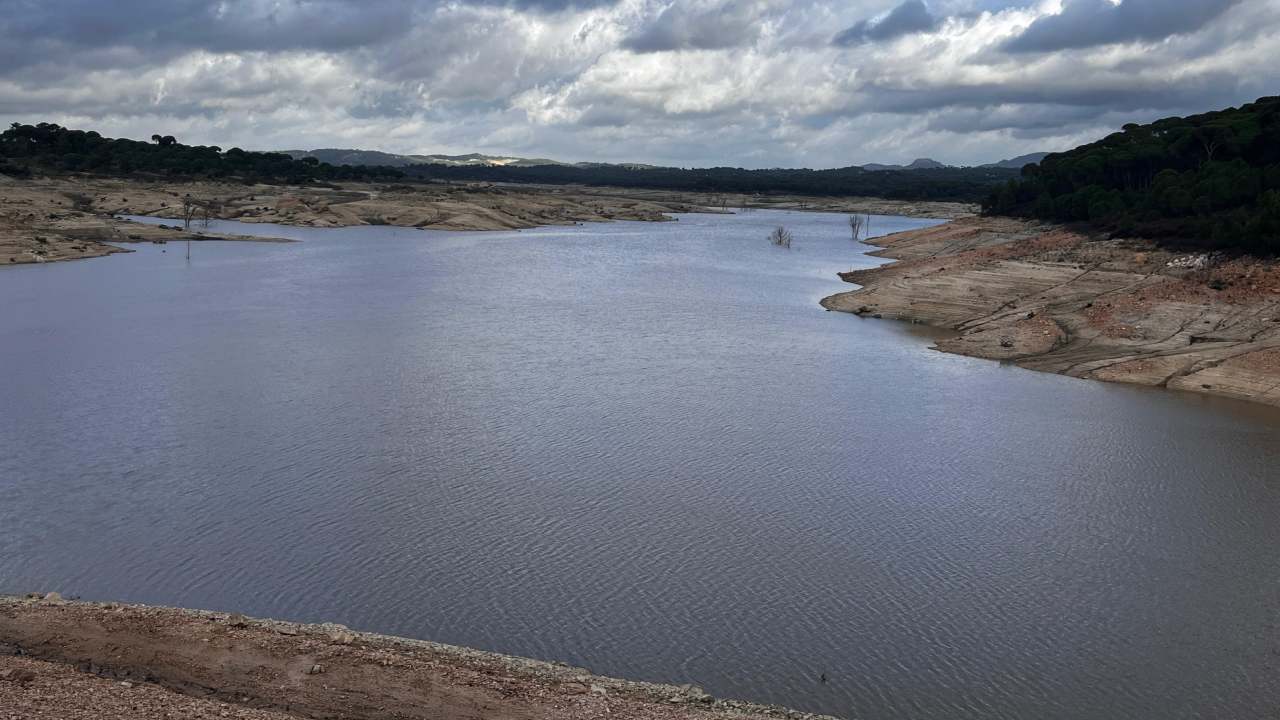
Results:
<point x="342" y="636"/>
<point x="695" y="694"/>
<point x="315" y="669"/>
<point x="53" y="598"/>
<point x="17" y="675"/>
<point x="238" y="621"/>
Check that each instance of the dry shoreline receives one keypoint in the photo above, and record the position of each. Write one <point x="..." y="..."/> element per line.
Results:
<point x="67" y="218"/>
<point x="108" y="661"/>
<point x="1046" y="298"/>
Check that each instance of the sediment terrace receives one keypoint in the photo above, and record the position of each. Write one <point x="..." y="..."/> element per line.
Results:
<point x="1050" y="299"/>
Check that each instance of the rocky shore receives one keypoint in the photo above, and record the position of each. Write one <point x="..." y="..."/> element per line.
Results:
<point x="72" y="660"/>
<point x="1047" y="298"/>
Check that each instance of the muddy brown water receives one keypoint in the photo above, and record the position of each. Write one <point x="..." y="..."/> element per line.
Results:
<point x="639" y="448"/>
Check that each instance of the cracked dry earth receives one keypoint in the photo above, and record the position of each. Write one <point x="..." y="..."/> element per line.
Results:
<point x="1046" y="298"/>
<point x="89" y="661"/>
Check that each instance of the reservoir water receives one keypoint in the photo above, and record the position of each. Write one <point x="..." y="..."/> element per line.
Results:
<point x="642" y="448"/>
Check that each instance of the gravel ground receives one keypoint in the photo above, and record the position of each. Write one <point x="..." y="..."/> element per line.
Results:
<point x="32" y="689"/>
<point x="62" y="659"/>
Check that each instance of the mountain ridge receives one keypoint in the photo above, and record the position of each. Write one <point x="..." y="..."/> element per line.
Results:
<point x="1019" y="162"/>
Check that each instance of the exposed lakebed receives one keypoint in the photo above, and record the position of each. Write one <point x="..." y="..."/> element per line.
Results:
<point x="641" y="448"/>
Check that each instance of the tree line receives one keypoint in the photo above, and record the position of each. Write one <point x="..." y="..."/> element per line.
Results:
<point x="51" y="148"/>
<point x="950" y="184"/>
<point x="47" y="147"/>
<point x="1207" y="181"/>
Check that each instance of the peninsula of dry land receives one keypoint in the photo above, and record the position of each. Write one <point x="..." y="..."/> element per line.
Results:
<point x="1050" y="299"/>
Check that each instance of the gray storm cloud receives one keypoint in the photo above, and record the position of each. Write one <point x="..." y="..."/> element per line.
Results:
<point x="1087" y="23"/>
<point x="701" y="26"/>
<point x="912" y="16"/>
<point x="684" y="82"/>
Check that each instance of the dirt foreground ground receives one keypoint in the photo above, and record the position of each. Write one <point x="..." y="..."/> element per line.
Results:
<point x="76" y="660"/>
<point x="49" y="219"/>
<point x="1050" y="299"/>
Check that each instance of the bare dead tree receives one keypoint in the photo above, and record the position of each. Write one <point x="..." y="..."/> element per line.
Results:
<point x="718" y="200"/>
<point x="209" y="210"/>
<point x="860" y="226"/>
<point x="189" y="210"/>
<point x="855" y="226"/>
<point x="780" y="237"/>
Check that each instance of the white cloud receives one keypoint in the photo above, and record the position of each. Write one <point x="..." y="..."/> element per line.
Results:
<point x="689" y="82"/>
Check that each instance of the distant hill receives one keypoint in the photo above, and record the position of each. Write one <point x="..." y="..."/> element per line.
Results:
<point x="923" y="179"/>
<point x="918" y="164"/>
<point x="1208" y="181"/>
<point x="48" y="148"/>
<point x="336" y="156"/>
<point x="931" y="164"/>
<point x="376" y="158"/>
<point x="1019" y="162"/>
<point x="943" y="183"/>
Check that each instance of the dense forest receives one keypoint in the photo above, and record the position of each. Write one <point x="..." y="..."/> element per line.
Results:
<point x="958" y="184"/>
<point x="1206" y="181"/>
<point x="51" y="148"/>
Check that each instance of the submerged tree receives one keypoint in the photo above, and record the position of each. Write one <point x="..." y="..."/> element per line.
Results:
<point x="780" y="237"/>
<point x="190" y="208"/>
<point x="856" y="223"/>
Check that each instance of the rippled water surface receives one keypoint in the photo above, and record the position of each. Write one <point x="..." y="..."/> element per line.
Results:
<point x="641" y="448"/>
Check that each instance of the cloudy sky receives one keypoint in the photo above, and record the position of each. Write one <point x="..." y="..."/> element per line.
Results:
<point x="755" y="83"/>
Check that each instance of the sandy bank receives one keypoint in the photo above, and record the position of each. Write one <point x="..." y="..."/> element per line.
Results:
<point x="1049" y="299"/>
<point x="47" y="219"/>
<point x="115" y="662"/>
<point x="53" y="220"/>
